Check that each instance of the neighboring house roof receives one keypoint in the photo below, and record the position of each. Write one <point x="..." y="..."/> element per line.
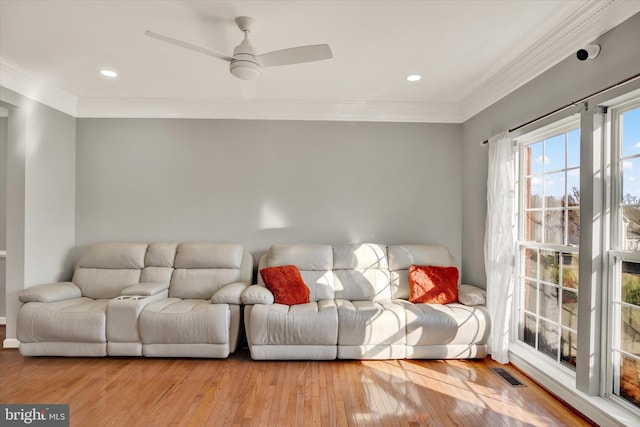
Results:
<point x="632" y="218"/>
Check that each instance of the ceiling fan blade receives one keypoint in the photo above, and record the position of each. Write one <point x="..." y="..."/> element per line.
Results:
<point x="188" y="46"/>
<point x="296" y="55"/>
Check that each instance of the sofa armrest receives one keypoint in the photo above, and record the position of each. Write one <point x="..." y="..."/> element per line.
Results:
<point x="471" y="295"/>
<point x="145" y="289"/>
<point x="229" y="294"/>
<point x="257" y="294"/>
<point x="51" y="292"/>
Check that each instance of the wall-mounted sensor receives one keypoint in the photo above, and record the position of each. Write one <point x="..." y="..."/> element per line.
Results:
<point x="588" y="52"/>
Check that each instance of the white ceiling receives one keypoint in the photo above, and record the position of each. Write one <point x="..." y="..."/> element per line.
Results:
<point x="470" y="53"/>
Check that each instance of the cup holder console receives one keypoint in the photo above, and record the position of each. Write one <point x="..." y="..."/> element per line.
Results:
<point x="130" y="297"/>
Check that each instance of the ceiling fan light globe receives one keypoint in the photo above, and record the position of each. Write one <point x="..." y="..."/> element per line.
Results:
<point x="246" y="70"/>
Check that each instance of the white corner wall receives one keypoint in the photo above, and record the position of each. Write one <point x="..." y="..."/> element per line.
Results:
<point x="4" y="123"/>
<point x="263" y="182"/>
<point x="40" y="198"/>
<point x="49" y="195"/>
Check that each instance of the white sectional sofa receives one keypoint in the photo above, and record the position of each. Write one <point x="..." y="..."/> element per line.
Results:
<point x="359" y="307"/>
<point x="132" y="299"/>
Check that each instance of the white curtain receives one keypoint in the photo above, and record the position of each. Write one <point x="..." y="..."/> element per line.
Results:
<point x="499" y="242"/>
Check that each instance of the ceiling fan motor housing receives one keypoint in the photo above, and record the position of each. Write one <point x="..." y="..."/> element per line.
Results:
<point x="245" y="64"/>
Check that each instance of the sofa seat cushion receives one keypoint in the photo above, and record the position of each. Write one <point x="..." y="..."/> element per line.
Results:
<point x="73" y="320"/>
<point x="435" y="324"/>
<point x="188" y="321"/>
<point x="315" y="323"/>
<point x="370" y="322"/>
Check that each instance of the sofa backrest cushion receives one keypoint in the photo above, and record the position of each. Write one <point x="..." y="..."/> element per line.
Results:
<point x="361" y="272"/>
<point x="159" y="262"/>
<point x="106" y="268"/>
<point x="401" y="257"/>
<point x="201" y="268"/>
<point x="315" y="263"/>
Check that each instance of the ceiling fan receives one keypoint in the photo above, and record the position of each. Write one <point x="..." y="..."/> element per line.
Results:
<point x="245" y="63"/>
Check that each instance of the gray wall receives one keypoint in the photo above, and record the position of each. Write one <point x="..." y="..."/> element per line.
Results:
<point x="50" y="195"/>
<point x="568" y="81"/>
<point x="3" y="215"/>
<point x="264" y="182"/>
<point x="40" y="198"/>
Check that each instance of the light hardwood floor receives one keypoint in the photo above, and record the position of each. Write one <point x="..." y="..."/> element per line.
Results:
<point x="117" y="391"/>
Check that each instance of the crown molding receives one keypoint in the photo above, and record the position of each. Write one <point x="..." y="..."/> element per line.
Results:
<point x="25" y="83"/>
<point x="420" y="112"/>
<point x="588" y="23"/>
<point x="19" y="80"/>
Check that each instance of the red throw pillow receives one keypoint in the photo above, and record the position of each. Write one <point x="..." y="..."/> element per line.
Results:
<point x="433" y="285"/>
<point x="286" y="284"/>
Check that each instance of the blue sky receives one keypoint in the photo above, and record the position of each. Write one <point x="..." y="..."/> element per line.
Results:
<point x="631" y="146"/>
<point x="549" y="156"/>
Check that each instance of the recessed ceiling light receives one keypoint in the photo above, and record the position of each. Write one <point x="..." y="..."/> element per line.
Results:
<point x="414" y="77"/>
<point x="108" y="73"/>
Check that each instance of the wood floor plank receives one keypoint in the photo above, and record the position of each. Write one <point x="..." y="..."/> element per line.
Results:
<point x="241" y="392"/>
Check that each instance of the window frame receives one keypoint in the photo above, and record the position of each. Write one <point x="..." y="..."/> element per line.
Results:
<point x="584" y="390"/>
<point x="558" y="127"/>
<point x="616" y="254"/>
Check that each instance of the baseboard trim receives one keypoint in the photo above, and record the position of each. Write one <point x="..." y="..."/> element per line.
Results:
<point x="597" y="409"/>
<point x="3" y="320"/>
<point x="11" y="343"/>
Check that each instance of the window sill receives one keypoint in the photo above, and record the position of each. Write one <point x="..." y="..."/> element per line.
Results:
<point x="562" y="384"/>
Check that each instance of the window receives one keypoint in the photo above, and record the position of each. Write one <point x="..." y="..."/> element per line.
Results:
<point x="549" y="232"/>
<point x="603" y="371"/>
<point x="623" y="377"/>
